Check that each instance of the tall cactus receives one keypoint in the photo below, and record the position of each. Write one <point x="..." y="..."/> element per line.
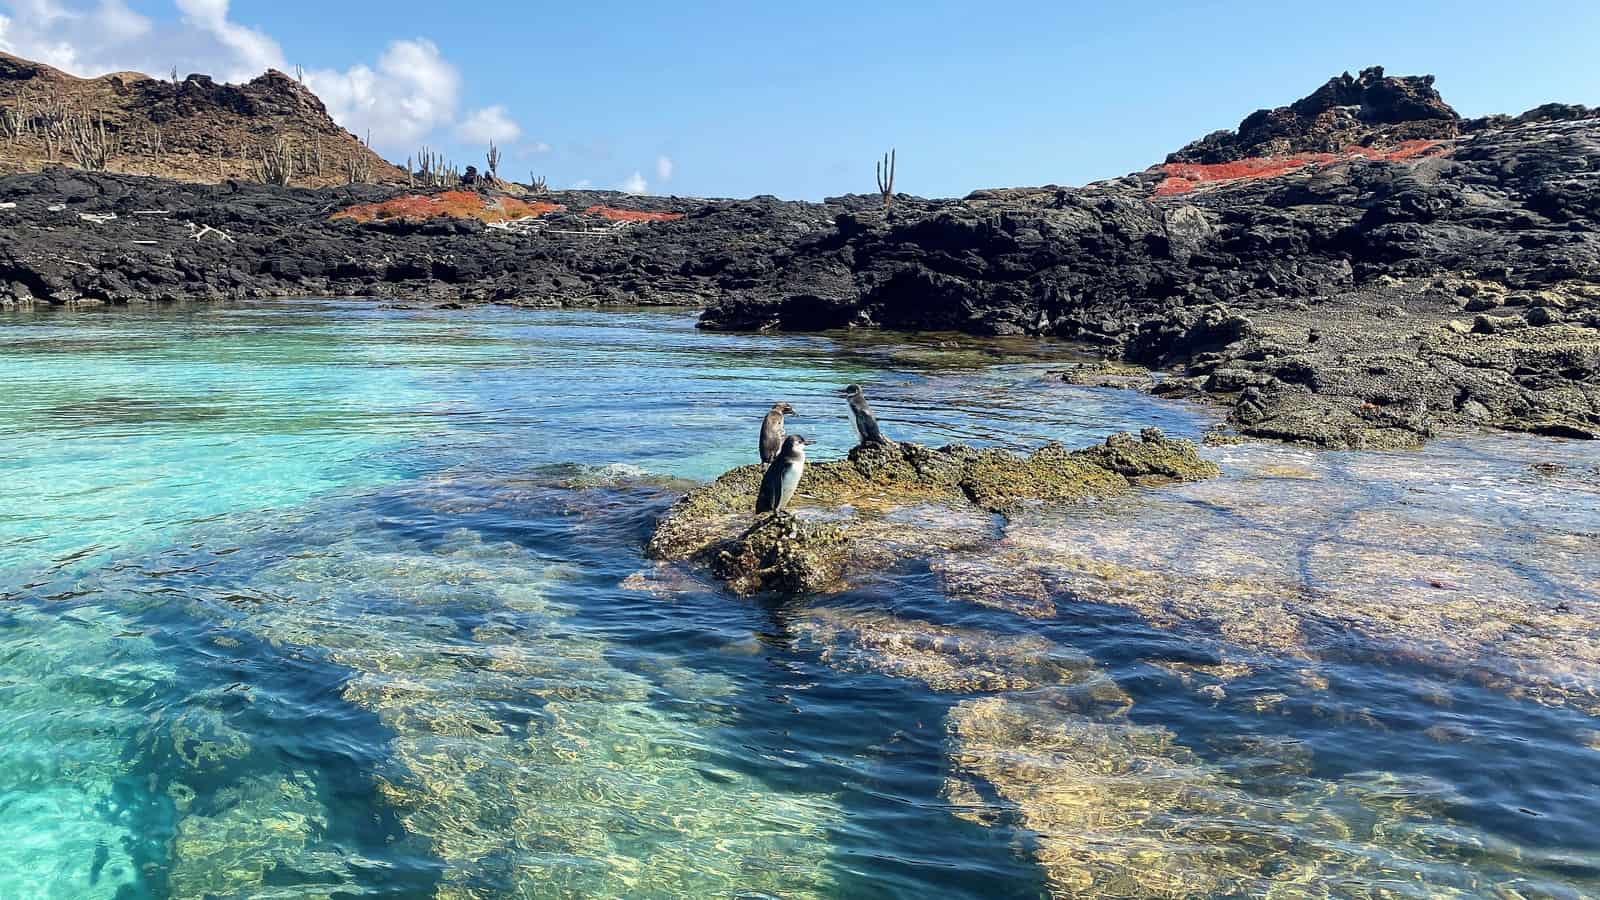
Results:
<point x="358" y="169"/>
<point x="493" y="158"/>
<point x="276" y="163"/>
<point x="885" y="170"/>
<point x="87" y="140"/>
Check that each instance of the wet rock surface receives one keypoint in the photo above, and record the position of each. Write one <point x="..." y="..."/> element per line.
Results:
<point x="852" y="511"/>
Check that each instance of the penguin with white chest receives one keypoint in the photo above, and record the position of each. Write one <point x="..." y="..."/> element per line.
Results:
<point x="866" y="423"/>
<point x="783" y="476"/>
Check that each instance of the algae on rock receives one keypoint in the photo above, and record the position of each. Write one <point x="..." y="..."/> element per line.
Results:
<point x="1121" y="809"/>
<point x="592" y="787"/>
<point x="804" y="554"/>
<point x="946" y="658"/>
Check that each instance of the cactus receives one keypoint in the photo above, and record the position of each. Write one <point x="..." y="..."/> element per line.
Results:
<point x="87" y="140"/>
<point x="537" y="183"/>
<point x="12" y="123"/>
<point x="885" y="170"/>
<point x="358" y="169"/>
<point x="493" y="158"/>
<point x="276" y="165"/>
<point x="433" y="170"/>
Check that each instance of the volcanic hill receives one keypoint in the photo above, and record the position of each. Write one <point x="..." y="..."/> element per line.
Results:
<point x="191" y="130"/>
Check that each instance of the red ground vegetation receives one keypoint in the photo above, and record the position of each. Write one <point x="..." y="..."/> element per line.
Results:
<point x="448" y="205"/>
<point x="1184" y="177"/>
<point x="631" y="215"/>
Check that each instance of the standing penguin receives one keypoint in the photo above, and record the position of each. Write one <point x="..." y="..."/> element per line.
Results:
<point x="866" y="422"/>
<point x="777" y="486"/>
<point x="772" y="431"/>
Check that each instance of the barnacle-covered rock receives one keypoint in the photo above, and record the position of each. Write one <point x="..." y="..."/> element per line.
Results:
<point x="859" y="494"/>
<point x="785" y="554"/>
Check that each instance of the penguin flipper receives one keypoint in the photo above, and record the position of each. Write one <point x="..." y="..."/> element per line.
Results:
<point x="874" y="435"/>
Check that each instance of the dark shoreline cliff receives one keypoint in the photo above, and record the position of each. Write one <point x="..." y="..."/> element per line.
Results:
<point x="1356" y="269"/>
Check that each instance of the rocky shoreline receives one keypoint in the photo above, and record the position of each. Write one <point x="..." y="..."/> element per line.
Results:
<point x="1386" y="270"/>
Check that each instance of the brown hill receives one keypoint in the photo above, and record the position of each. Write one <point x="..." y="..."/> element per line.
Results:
<point x="191" y="130"/>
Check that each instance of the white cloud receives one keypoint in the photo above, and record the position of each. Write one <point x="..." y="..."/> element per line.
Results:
<point x="582" y="183"/>
<point x="664" y="167"/>
<point x="73" y="40"/>
<point x="412" y="92"/>
<point x="538" y="147"/>
<point x="488" y="124"/>
<point x="633" y="184"/>
<point x="252" y="51"/>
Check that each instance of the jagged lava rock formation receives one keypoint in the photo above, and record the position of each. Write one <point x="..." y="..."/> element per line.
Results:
<point x="1364" y="111"/>
<point x="1356" y="269"/>
<point x="1326" y="291"/>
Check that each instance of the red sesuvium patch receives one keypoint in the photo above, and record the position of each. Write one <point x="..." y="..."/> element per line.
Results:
<point x="1184" y="177"/>
<point x="447" y="205"/>
<point x="631" y="215"/>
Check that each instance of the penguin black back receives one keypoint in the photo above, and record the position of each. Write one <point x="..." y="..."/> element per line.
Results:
<point x="866" y="423"/>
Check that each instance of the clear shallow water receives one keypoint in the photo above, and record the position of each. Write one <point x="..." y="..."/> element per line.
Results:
<point x="320" y="599"/>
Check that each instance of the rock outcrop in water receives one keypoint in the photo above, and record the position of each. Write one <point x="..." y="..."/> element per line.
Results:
<point x="1358" y="268"/>
<point x="712" y="524"/>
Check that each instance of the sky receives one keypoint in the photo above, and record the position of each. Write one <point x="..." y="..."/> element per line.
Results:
<point x="799" y="99"/>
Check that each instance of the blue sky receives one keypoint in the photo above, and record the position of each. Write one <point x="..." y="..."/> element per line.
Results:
<point x="724" y="99"/>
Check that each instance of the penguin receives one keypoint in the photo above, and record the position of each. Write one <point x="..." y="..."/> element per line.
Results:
<point x="866" y="422"/>
<point x="777" y="486"/>
<point x="772" y="431"/>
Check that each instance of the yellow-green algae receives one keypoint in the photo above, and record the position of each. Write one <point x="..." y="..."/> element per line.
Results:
<point x="1301" y="571"/>
<point x="263" y="825"/>
<point x="600" y="792"/>
<point x="945" y="658"/>
<point x="1119" y="809"/>
<point x="713" y="523"/>
<point x="1115" y="808"/>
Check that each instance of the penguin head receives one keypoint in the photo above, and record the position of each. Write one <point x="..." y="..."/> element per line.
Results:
<point x="852" y="390"/>
<point x="783" y="409"/>
<point x="794" y="443"/>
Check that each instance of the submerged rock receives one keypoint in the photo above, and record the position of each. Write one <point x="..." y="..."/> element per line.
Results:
<point x="945" y="658"/>
<point x="524" y="760"/>
<point x="1117" y="808"/>
<point x="711" y="523"/>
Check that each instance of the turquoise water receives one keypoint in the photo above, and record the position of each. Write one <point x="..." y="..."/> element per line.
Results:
<point x="320" y="599"/>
